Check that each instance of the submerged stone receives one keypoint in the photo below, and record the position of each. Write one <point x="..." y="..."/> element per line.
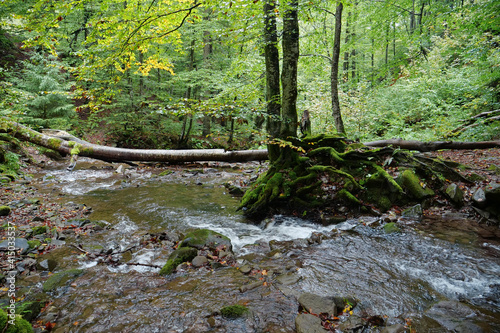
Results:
<point x="59" y="279"/>
<point x="234" y="311"/>
<point x="391" y="227"/>
<point x="414" y="212"/>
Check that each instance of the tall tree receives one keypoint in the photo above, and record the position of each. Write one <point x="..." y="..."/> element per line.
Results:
<point x="334" y="78"/>
<point x="273" y="94"/>
<point x="290" y="45"/>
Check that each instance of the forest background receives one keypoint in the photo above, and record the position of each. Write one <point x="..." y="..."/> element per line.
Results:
<point x="189" y="74"/>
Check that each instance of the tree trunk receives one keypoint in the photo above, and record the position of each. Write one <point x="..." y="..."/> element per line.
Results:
<point x="290" y="44"/>
<point x="433" y="145"/>
<point x="273" y="95"/>
<point x="123" y="154"/>
<point x="334" y="78"/>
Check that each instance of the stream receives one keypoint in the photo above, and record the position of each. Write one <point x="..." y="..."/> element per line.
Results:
<point x="437" y="275"/>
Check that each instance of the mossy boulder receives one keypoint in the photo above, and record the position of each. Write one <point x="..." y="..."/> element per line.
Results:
<point x="234" y="311"/>
<point x="455" y="194"/>
<point x="59" y="279"/>
<point x="20" y="324"/>
<point x="39" y="230"/>
<point x="182" y="254"/>
<point x="414" y="186"/>
<point x="206" y="238"/>
<point x="4" y="210"/>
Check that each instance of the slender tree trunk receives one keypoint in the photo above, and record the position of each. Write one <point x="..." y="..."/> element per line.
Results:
<point x="207" y="51"/>
<point x="273" y="96"/>
<point x="346" y="53"/>
<point x="334" y="78"/>
<point x="290" y="45"/>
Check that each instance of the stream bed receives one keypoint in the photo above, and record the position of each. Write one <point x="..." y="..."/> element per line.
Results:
<point x="437" y="275"/>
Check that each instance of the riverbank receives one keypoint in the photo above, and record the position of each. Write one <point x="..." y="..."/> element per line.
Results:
<point x="279" y="271"/>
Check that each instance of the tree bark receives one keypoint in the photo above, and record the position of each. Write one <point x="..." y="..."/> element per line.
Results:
<point x="290" y="44"/>
<point x="273" y="93"/>
<point x="334" y="78"/>
<point x="123" y="154"/>
<point x="433" y="145"/>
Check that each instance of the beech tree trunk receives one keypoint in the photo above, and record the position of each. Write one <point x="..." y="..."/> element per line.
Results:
<point x="433" y="145"/>
<point x="273" y="93"/>
<point x="124" y="154"/>
<point x="290" y="44"/>
<point x="334" y="78"/>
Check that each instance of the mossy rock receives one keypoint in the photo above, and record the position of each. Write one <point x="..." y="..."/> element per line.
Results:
<point x="165" y="173"/>
<point x="20" y="324"/>
<point x="410" y="181"/>
<point x="234" y="311"/>
<point x="391" y="227"/>
<point x="202" y="238"/>
<point x="177" y="257"/>
<point x="39" y="230"/>
<point x="60" y="279"/>
<point x="34" y="243"/>
<point x="4" y="210"/>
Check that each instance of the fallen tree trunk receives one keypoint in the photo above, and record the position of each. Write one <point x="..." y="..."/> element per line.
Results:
<point x="123" y="154"/>
<point x="433" y="145"/>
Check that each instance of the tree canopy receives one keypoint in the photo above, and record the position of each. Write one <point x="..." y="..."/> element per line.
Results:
<point x="185" y="73"/>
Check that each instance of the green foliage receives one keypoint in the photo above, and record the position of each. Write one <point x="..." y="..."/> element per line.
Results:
<point x="234" y="311"/>
<point x="20" y="325"/>
<point x="48" y="105"/>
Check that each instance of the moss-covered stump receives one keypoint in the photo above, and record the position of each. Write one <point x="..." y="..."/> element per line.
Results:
<point x="20" y="325"/>
<point x="205" y="238"/>
<point x="182" y="254"/>
<point x="326" y="176"/>
<point x="59" y="279"/>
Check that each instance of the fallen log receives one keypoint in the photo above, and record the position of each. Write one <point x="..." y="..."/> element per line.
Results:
<point x="432" y="145"/>
<point x="111" y="154"/>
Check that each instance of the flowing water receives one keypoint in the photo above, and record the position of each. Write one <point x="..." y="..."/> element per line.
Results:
<point x="399" y="275"/>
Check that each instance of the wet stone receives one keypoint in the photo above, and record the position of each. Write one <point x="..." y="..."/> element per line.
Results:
<point x="317" y="304"/>
<point x="307" y="323"/>
<point x="199" y="261"/>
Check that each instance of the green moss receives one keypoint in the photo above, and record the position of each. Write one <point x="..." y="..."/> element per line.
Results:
<point x="177" y="257"/>
<point x="29" y="310"/>
<point x="329" y="152"/>
<point x="4" y="210"/>
<point x="234" y="311"/>
<point x="391" y="227"/>
<point x="166" y="173"/>
<point x="201" y="238"/>
<point x="348" y="198"/>
<point x="20" y="325"/>
<point x="34" y="243"/>
<point x="39" y="230"/>
<point x="54" y="143"/>
<point x="61" y="278"/>
<point x="412" y="184"/>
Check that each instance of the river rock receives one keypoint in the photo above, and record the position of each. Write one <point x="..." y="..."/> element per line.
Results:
<point x="307" y="323"/>
<point x="492" y="193"/>
<point x="205" y="238"/>
<point x="19" y="244"/>
<point x="47" y="264"/>
<point x="414" y="213"/>
<point x="288" y="279"/>
<point x="352" y="324"/>
<point x="479" y="198"/>
<point x="60" y="279"/>
<point x="199" y="261"/>
<point x="177" y="257"/>
<point x="452" y="316"/>
<point x="317" y="304"/>
<point x="397" y="328"/>
<point x="455" y="194"/>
